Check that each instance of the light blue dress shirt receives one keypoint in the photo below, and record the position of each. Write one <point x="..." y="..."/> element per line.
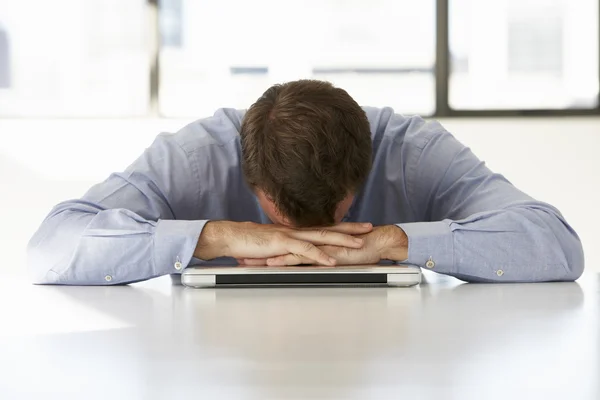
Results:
<point x="461" y="219"/>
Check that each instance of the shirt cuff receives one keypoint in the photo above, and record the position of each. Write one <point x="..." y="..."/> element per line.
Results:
<point x="430" y="245"/>
<point x="174" y="244"/>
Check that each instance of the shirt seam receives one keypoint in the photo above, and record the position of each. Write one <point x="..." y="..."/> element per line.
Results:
<point x="412" y="168"/>
<point x="409" y="184"/>
<point x="202" y="146"/>
<point x="57" y="275"/>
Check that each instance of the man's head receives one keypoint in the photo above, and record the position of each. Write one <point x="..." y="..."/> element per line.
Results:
<point x="306" y="149"/>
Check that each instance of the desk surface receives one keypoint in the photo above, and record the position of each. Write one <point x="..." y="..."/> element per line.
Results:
<point x="442" y="340"/>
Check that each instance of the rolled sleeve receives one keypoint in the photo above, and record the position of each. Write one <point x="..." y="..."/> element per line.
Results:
<point x="430" y="245"/>
<point x="175" y="241"/>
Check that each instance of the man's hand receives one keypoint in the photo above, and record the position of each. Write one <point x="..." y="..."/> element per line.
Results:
<point x="387" y="242"/>
<point x="247" y="240"/>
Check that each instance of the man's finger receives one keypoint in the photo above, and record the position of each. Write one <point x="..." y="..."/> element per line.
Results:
<point x="288" y="259"/>
<point x="326" y="237"/>
<point x="309" y="251"/>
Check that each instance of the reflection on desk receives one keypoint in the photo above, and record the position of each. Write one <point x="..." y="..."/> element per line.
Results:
<point x="440" y="340"/>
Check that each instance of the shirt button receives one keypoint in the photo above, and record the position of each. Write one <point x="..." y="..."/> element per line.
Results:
<point x="499" y="272"/>
<point x="178" y="266"/>
<point x="430" y="264"/>
<point x="108" y="278"/>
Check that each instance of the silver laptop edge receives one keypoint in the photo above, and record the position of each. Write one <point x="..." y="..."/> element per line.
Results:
<point x="217" y="276"/>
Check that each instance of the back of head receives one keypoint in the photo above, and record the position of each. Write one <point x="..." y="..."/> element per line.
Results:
<point x="307" y="146"/>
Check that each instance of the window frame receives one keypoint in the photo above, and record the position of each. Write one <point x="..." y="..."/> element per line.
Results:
<point x="442" y="76"/>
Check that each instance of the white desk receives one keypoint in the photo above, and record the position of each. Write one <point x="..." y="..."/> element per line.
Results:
<point x="441" y="340"/>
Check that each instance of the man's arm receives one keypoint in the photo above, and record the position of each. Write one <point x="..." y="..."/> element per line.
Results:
<point x="124" y="229"/>
<point x="481" y="228"/>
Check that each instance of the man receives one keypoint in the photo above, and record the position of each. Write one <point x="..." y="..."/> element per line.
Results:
<point x="305" y="176"/>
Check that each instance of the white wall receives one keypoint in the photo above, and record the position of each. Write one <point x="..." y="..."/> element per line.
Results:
<point x="45" y="161"/>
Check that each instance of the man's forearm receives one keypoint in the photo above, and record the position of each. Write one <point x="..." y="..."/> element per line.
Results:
<point x="212" y="243"/>
<point x="394" y="243"/>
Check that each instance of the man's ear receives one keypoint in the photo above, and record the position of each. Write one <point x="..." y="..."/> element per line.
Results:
<point x="343" y="207"/>
<point x="268" y="206"/>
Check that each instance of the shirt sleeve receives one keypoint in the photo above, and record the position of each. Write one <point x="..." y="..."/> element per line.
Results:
<point x="479" y="227"/>
<point x="134" y="226"/>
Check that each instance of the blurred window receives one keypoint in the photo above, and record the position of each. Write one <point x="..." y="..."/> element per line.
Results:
<point x="171" y="22"/>
<point x="92" y="58"/>
<point x="74" y="58"/>
<point x="382" y="51"/>
<point x="4" y="61"/>
<point x="523" y="54"/>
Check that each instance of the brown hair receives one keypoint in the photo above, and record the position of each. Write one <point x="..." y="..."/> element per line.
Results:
<point x="307" y="145"/>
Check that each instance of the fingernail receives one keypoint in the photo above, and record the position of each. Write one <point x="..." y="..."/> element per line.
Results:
<point x="358" y="241"/>
<point x="367" y="225"/>
<point x="331" y="260"/>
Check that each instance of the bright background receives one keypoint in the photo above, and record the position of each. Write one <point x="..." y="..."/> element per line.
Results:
<point x="76" y="101"/>
<point x="93" y="58"/>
